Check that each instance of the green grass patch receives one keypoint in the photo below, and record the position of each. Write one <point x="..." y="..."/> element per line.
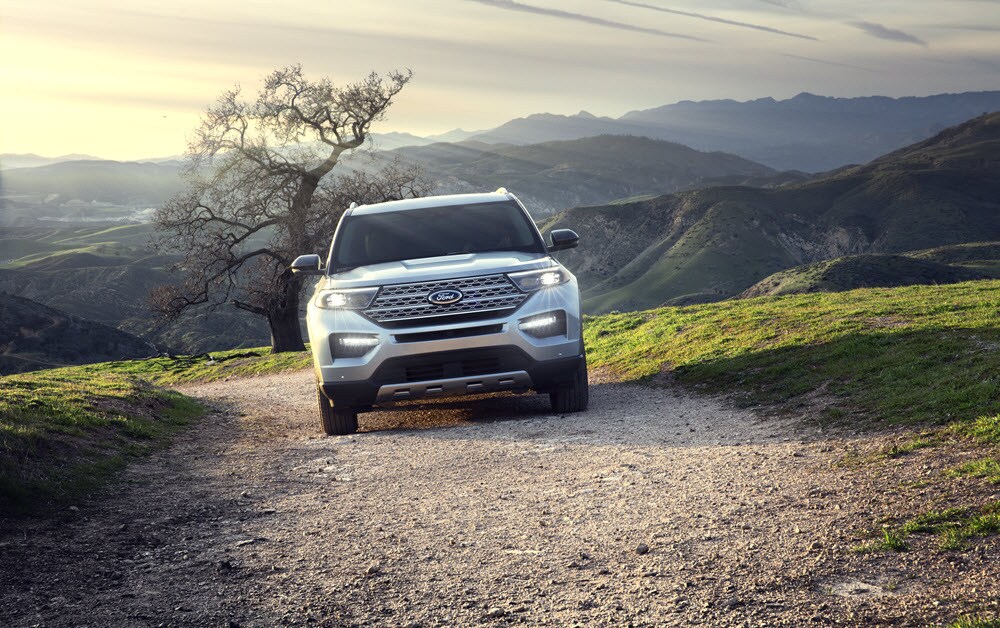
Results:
<point x="975" y="621"/>
<point x="900" y="355"/>
<point x="890" y="541"/>
<point x="65" y="431"/>
<point x="985" y="429"/>
<point x="192" y="369"/>
<point x="914" y="444"/>
<point x="987" y="468"/>
<point x="954" y="527"/>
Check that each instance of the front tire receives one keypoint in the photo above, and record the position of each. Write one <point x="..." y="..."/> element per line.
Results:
<point x="336" y="421"/>
<point x="572" y="397"/>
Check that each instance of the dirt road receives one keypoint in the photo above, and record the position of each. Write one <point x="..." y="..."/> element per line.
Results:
<point x="656" y="507"/>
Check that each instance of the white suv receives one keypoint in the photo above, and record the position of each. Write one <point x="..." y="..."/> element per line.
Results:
<point x="439" y="296"/>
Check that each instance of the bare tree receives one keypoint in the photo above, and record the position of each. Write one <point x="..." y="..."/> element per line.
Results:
<point x="259" y="193"/>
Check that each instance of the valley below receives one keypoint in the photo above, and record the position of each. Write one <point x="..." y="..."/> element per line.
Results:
<point x="658" y="506"/>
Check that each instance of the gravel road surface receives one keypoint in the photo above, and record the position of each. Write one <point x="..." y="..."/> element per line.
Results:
<point x="656" y="507"/>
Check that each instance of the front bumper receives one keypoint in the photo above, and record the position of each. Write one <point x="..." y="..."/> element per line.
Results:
<point x="424" y="361"/>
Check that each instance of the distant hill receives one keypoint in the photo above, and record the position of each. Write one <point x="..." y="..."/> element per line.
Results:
<point x="860" y="271"/>
<point x="549" y="176"/>
<point x="34" y="336"/>
<point x="941" y="265"/>
<point x="555" y="175"/>
<point x="104" y="274"/>
<point x="710" y="244"/>
<point x="96" y="181"/>
<point x="31" y="160"/>
<point x="808" y="132"/>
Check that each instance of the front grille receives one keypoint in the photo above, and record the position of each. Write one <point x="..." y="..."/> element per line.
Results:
<point x="451" y="364"/>
<point x="403" y="303"/>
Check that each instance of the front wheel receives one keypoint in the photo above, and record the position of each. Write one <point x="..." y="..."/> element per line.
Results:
<point x="336" y="421"/>
<point x="574" y="396"/>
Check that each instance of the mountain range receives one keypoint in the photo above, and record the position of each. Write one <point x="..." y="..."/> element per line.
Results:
<point x="551" y="176"/>
<point x="714" y="243"/>
<point x="548" y="177"/>
<point x="807" y="132"/>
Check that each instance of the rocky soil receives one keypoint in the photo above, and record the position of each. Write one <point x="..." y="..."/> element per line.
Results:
<point x="656" y="507"/>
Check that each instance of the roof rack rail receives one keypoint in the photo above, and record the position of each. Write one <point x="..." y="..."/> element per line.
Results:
<point x="502" y="191"/>
<point x="353" y="205"/>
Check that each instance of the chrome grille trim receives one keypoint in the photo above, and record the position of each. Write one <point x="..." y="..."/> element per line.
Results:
<point x="408" y="302"/>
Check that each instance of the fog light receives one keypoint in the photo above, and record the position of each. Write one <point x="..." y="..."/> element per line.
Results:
<point x="544" y="325"/>
<point x="352" y="345"/>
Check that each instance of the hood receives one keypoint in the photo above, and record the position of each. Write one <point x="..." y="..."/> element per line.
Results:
<point x="436" y="268"/>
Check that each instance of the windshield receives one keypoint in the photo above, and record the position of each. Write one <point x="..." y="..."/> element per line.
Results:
<point x="433" y="231"/>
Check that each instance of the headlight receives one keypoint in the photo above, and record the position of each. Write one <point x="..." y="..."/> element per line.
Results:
<point x="354" y="299"/>
<point x="532" y="280"/>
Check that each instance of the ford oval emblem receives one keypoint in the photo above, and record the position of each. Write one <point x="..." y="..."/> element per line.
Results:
<point x="445" y="297"/>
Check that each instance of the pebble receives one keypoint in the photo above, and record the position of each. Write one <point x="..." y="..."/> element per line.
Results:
<point x="641" y="549"/>
<point x="495" y="612"/>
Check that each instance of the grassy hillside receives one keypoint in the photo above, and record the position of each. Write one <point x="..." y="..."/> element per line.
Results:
<point x="710" y="244"/>
<point x="860" y="271"/>
<point x="941" y="265"/>
<point x="982" y="257"/>
<point x="189" y="369"/>
<point x="64" y="431"/>
<point x="902" y="355"/>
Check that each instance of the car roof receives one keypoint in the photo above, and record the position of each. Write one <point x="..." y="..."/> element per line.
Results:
<point x="431" y="201"/>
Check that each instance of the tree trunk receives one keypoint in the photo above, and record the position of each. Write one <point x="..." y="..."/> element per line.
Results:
<point x="283" y="317"/>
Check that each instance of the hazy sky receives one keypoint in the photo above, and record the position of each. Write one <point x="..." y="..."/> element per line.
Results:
<point x="129" y="79"/>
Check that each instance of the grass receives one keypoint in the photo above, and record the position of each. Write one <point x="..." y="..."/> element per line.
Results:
<point x="975" y="622"/>
<point x="984" y="429"/>
<point x="65" y="431"/>
<point x="954" y="527"/>
<point x="919" y="354"/>
<point x="914" y="444"/>
<point x="191" y="369"/>
<point x="890" y="541"/>
<point x="987" y="468"/>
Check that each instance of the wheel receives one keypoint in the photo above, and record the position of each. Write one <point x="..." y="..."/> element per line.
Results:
<point x="336" y="422"/>
<point x="572" y="397"/>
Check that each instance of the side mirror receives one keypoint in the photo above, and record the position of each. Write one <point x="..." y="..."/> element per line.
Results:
<point x="307" y="265"/>
<point x="563" y="239"/>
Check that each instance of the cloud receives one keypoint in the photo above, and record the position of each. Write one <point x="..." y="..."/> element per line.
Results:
<point x="985" y="28"/>
<point x="711" y="18"/>
<point x="884" y="32"/>
<point x="825" y="62"/>
<point x="510" y="5"/>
